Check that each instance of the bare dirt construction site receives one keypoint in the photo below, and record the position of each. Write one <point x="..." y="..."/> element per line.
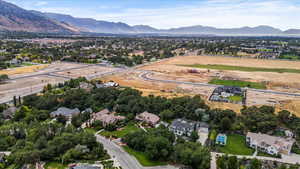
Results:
<point x="173" y="70"/>
<point x="33" y="80"/>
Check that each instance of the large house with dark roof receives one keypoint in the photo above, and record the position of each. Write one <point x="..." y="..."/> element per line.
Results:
<point x="181" y="127"/>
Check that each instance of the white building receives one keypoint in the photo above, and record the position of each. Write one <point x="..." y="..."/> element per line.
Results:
<point x="270" y="144"/>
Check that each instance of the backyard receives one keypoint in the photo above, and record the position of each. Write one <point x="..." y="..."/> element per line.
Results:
<point x="236" y="145"/>
<point x="142" y="158"/>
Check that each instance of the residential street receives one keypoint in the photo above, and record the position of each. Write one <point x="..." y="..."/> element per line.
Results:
<point x="123" y="158"/>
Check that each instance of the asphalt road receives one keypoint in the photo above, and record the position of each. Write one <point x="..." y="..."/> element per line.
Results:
<point x="145" y="75"/>
<point x="123" y="158"/>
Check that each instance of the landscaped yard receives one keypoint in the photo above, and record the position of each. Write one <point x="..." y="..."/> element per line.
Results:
<point x="55" y="165"/>
<point x="120" y="133"/>
<point x="238" y="83"/>
<point x="142" y="158"/>
<point x="236" y="144"/>
<point x="244" y="69"/>
<point x="236" y="98"/>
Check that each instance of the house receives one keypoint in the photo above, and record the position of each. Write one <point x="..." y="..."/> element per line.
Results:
<point x="203" y="132"/>
<point x="148" y="118"/>
<point x="107" y="85"/>
<point x="221" y="139"/>
<point x="270" y="144"/>
<point x="106" y="117"/>
<point x="181" y="127"/>
<point x="66" y="112"/>
<point x="86" y="86"/>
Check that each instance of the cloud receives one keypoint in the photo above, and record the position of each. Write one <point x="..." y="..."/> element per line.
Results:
<point x="41" y="3"/>
<point x="219" y="13"/>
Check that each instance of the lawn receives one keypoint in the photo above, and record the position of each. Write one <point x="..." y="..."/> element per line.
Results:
<point x="290" y="57"/>
<point x="238" y="83"/>
<point x="236" y="145"/>
<point x="121" y="133"/>
<point x="236" y="98"/>
<point x="55" y="165"/>
<point x="244" y="69"/>
<point x="142" y="158"/>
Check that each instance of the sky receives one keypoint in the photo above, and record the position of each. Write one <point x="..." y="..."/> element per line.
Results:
<point x="282" y="14"/>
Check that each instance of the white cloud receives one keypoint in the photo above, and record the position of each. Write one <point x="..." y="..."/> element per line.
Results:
<point x="219" y="13"/>
<point x="41" y="3"/>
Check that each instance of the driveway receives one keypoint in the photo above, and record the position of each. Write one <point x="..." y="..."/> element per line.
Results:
<point x="125" y="160"/>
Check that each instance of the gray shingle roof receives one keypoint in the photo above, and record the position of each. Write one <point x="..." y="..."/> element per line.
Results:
<point x="65" y="112"/>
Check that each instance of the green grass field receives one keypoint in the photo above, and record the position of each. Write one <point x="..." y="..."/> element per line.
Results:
<point x="238" y="83"/>
<point x="244" y="69"/>
<point x="142" y="158"/>
<point x="55" y="165"/>
<point x="121" y="133"/>
<point x="290" y="57"/>
<point x="236" y="144"/>
<point x="236" y="98"/>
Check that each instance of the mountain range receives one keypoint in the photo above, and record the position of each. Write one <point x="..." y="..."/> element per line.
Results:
<point x="14" y="18"/>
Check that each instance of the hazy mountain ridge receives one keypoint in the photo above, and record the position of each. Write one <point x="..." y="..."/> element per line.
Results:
<point x="92" y="25"/>
<point x="14" y="18"/>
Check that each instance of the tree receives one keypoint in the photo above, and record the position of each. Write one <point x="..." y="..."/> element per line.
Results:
<point x="255" y="164"/>
<point x="194" y="136"/>
<point x="3" y="78"/>
<point x="225" y="124"/>
<point x="284" y="116"/>
<point x="167" y="115"/>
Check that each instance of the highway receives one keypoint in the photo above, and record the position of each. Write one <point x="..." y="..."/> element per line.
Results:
<point x="146" y="75"/>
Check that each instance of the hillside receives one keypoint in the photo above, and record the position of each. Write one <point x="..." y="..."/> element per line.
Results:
<point x="14" y="18"/>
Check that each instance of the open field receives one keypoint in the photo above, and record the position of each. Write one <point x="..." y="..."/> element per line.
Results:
<point x="21" y="70"/>
<point x="243" y="69"/>
<point x="169" y="70"/>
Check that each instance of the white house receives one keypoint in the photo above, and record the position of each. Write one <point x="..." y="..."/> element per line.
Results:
<point x="270" y="144"/>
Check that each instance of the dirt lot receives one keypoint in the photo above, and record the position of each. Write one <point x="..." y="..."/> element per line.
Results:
<point x="287" y="82"/>
<point x="21" y="70"/>
<point x="168" y="70"/>
<point x="92" y="70"/>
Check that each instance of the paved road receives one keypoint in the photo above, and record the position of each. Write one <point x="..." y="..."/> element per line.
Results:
<point x="146" y="75"/>
<point x="124" y="159"/>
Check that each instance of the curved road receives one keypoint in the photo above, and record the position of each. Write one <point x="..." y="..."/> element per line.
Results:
<point x="125" y="160"/>
<point x="146" y="75"/>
